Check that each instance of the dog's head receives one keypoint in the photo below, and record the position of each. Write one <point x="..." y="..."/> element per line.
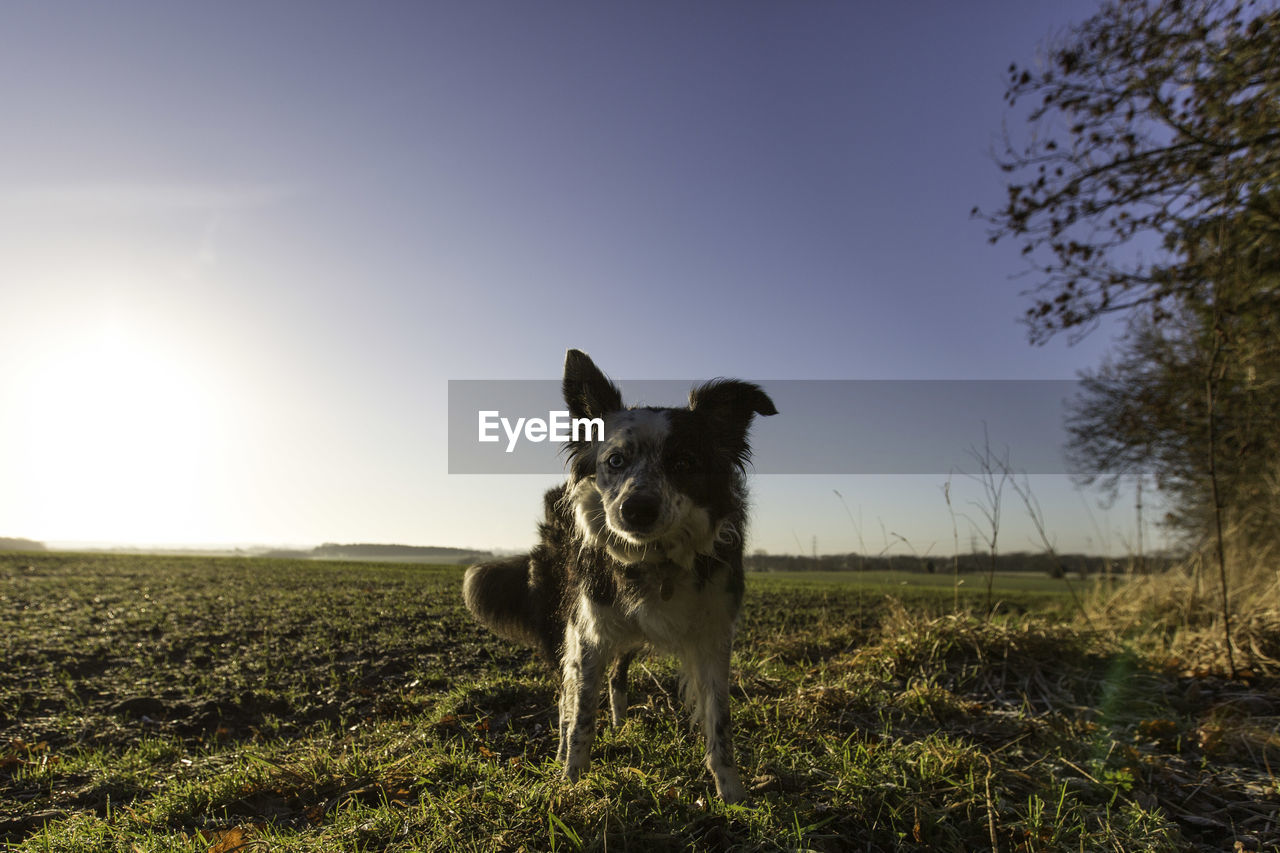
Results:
<point x="664" y="483"/>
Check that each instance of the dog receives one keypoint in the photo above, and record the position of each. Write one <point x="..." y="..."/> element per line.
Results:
<point x="641" y="547"/>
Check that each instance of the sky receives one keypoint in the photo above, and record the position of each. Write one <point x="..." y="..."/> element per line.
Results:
<point x="245" y="247"/>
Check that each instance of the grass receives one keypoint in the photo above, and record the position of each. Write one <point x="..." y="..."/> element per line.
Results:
<point x="1019" y="590"/>
<point x="217" y="704"/>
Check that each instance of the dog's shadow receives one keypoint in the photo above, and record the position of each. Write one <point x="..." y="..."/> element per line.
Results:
<point x="512" y="717"/>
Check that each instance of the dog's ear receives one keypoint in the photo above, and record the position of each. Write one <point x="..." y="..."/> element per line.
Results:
<point x="732" y="399"/>
<point x="730" y="405"/>
<point x="587" y="392"/>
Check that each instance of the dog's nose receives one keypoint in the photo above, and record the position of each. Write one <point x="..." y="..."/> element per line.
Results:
<point x="640" y="511"/>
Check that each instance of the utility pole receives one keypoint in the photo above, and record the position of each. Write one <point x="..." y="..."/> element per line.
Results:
<point x="1142" y="559"/>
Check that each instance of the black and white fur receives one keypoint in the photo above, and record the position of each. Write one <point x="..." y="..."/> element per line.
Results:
<point x="640" y="547"/>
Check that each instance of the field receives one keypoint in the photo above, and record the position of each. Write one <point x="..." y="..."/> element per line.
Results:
<point x="218" y="704"/>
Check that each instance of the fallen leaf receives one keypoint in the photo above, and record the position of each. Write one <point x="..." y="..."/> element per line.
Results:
<point x="1157" y="728"/>
<point x="226" y="840"/>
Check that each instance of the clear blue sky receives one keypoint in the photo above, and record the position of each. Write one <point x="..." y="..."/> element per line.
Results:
<point x="244" y="246"/>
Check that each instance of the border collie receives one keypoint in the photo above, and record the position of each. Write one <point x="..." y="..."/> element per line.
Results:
<point x="640" y="547"/>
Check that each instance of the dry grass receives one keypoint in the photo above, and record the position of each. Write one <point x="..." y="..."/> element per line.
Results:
<point x="1178" y="615"/>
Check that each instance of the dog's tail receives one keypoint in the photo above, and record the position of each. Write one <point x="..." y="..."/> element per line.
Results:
<point x="510" y="598"/>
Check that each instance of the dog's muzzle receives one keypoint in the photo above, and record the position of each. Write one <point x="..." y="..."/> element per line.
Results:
<point x="640" y="512"/>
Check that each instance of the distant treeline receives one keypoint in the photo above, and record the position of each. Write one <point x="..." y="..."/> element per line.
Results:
<point x="12" y="544"/>
<point x="368" y="551"/>
<point x="1054" y="565"/>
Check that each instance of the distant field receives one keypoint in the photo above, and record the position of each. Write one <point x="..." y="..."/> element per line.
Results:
<point x="1004" y="583"/>
<point x="217" y="704"/>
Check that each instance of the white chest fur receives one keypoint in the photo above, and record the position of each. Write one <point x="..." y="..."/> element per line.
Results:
<point x="665" y="607"/>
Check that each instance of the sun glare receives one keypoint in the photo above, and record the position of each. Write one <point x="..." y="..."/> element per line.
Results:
<point x="120" y="435"/>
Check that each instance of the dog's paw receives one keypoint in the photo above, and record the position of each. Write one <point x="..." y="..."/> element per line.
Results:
<point x="573" y="770"/>
<point x="729" y="788"/>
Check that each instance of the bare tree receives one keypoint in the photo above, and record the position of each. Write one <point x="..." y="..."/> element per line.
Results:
<point x="1146" y="120"/>
<point x="1156" y="124"/>
<point x="1036" y="513"/>
<point x="992" y="475"/>
<point x="1212" y="383"/>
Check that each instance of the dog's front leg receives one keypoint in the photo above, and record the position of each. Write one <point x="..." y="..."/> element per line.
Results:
<point x="708" y="686"/>
<point x="579" y="697"/>
<point x="618" y="689"/>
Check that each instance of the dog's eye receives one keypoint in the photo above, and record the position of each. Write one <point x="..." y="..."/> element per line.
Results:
<point x="616" y="461"/>
<point x="684" y="462"/>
